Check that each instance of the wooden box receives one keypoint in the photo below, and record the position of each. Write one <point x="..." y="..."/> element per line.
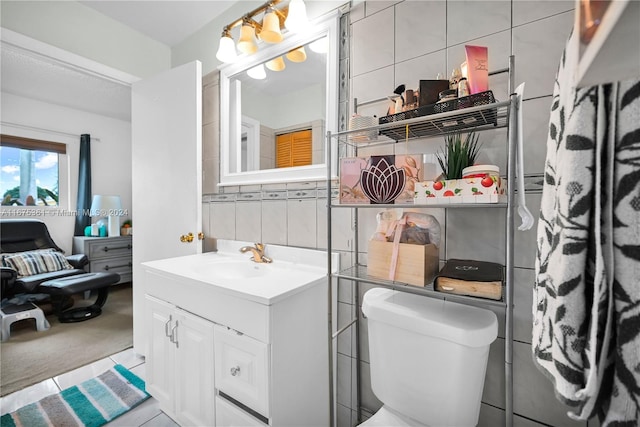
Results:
<point x="417" y="264"/>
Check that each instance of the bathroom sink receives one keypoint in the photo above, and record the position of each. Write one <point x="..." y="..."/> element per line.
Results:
<point x="230" y="268"/>
<point x="232" y="272"/>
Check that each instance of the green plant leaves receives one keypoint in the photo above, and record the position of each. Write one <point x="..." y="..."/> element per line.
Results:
<point x="458" y="154"/>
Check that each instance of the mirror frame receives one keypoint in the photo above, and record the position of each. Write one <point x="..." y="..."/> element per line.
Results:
<point x="327" y="25"/>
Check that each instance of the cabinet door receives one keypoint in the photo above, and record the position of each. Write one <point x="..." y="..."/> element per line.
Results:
<point x="160" y="364"/>
<point x="194" y="384"/>
<point x="242" y="368"/>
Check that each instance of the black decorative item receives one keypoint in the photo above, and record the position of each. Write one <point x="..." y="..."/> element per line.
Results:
<point x="382" y="182"/>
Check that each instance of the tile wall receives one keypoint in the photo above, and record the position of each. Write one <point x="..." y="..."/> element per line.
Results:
<point x="393" y="43"/>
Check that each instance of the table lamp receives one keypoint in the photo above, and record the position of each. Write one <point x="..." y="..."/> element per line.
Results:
<point x="111" y="207"/>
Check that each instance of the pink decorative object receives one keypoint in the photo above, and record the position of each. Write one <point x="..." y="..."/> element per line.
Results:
<point x="382" y="182"/>
<point x="478" y="68"/>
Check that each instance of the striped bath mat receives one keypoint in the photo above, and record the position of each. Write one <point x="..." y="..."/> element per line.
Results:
<point x="93" y="403"/>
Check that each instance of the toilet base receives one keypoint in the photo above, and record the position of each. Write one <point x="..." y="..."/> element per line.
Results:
<point x="386" y="417"/>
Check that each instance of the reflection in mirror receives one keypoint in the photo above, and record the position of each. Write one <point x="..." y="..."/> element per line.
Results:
<point x="283" y="115"/>
<point x="276" y="107"/>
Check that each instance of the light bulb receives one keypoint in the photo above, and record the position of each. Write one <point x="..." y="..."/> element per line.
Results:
<point x="276" y="64"/>
<point x="247" y="43"/>
<point x="257" y="72"/>
<point x="297" y="55"/>
<point x="297" y="16"/>
<point x="226" y="50"/>
<point x="271" y="27"/>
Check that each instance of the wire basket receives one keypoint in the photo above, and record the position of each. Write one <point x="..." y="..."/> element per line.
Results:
<point x="424" y="110"/>
<point x="448" y="124"/>
<point x="482" y="98"/>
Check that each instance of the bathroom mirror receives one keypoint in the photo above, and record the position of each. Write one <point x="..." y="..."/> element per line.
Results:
<point x="294" y="104"/>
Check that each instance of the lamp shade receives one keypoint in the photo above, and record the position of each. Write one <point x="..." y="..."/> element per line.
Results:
<point x="297" y="17"/>
<point x="247" y="42"/>
<point x="276" y="64"/>
<point x="297" y="55"/>
<point x="257" y="72"/>
<point x="271" y="28"/>
<point x="103" y="206"/>
<point x="226" y="50"/>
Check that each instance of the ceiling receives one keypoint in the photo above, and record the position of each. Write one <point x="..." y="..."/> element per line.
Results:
<point x="169" y="22"/>
<point x="36" y="76"/>
<point x="43" y="78"/>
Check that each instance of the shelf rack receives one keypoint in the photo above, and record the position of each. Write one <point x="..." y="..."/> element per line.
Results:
<point x="479" y="118"/>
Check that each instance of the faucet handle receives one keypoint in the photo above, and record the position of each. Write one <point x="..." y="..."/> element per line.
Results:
<point x="260" y="246"/>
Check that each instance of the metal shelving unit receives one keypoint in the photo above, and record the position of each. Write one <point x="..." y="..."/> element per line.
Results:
<point x="479" y="118"/>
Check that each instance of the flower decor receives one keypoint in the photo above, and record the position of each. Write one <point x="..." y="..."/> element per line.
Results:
<point x="382" y="182"/>
<point x="458" y="154"/>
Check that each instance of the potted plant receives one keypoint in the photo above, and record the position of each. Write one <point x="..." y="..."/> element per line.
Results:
<point x="459" y="152"/>
<point x="126" y="228"/>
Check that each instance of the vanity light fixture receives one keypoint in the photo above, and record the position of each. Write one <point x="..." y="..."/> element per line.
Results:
<point x="297" y="55"/>
<point x="227" y="49"/>
<point x="276" y="64"/>
<point x="297" y="17"/>
<point x="257" y="72"/>
<point x="271" y="27"/>
<point x="247" y="43"/>
<point x="294" y="19"/>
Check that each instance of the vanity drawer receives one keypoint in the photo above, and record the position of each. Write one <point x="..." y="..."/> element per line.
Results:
<point x="242" y="368"/>
<point x="229" y="415"/>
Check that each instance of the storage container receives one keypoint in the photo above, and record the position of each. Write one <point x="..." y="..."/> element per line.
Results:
<point x="417" y="264"/>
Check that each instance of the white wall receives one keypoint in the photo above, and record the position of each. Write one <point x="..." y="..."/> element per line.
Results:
<point x="288" y="109"/>
<point x="110" y="156"/>
<point x="82" y="30"/>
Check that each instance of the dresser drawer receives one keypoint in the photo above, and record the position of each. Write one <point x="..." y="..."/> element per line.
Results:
<point x="123" y="266"/>
<point x="109" y="248"/>
<point x="242" y="368"/>
<point x="229" y="415"/>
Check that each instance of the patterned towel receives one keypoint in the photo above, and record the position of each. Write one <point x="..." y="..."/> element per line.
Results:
<point x="586" y="305"/>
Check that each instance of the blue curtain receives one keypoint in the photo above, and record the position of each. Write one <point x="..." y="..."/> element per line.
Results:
<point x="84" y="186"/>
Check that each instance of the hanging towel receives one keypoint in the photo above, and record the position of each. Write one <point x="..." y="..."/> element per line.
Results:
<point x="586" y="299"/>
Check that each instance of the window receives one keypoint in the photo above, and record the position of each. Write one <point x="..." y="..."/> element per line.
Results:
<point x="293" y="149"/>
<point x="30" y="171"/>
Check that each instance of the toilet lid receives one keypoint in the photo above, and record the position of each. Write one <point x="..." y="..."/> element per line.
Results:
<point x="460" y="323"/>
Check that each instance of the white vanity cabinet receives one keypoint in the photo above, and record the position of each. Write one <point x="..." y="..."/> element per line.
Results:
<point x="179" y="370"/>
<point x="253" y="352"/>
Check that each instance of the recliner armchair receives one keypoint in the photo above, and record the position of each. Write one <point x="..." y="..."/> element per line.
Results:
<point x="21" y="235"/>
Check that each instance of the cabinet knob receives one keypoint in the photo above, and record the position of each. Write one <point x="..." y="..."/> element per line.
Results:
<point x="235" y="371"/>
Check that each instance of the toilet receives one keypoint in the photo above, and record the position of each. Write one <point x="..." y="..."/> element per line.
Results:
<point x="428" y="358"/>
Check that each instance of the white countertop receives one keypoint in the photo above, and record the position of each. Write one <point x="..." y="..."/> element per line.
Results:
<point x="232" y="272"/>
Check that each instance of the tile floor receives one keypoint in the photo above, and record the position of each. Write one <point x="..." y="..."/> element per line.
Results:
<point x="147" y="414"/>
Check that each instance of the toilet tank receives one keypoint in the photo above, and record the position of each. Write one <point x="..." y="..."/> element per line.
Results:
<point x="428" y="356"/>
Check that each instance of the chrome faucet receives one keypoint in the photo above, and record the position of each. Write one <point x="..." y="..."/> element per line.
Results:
<point x="258" y="253"/>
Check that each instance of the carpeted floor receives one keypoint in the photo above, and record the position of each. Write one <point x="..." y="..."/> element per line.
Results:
<point x="29" y="357"/>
